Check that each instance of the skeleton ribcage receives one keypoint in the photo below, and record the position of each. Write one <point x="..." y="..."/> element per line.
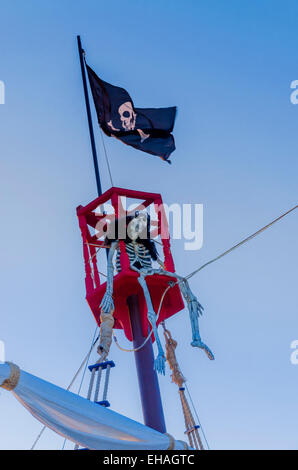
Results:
<point x="138" y="256"/>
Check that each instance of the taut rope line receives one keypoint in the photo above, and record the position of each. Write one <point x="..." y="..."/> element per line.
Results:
<point x="250" y="237"/>
<point x="242" y="242"/>
<point x="106" y="157"/>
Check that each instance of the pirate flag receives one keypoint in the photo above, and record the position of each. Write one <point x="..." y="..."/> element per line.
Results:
<point x="146" y="129"/>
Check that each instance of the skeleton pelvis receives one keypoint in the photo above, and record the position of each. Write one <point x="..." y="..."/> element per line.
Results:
<point x="126" y="284"/>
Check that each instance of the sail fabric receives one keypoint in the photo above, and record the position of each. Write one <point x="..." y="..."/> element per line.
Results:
<point x="146" y="129"/>
<point x="85" y="423"/>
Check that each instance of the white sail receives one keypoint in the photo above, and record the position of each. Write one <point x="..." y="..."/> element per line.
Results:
<point x="87" y="424"/>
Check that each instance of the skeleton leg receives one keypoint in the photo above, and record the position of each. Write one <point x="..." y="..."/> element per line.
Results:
<point x="195" y="309"/>
<point x="159" y="362"/>
<point x="107" y="303"/>
<point x="107" y="309"/>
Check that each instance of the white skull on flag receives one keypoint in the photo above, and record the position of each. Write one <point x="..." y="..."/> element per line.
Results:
<point x="127" y="116"/>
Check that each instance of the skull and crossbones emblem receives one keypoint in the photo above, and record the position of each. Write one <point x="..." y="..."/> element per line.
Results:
<point x="128" y="118"/>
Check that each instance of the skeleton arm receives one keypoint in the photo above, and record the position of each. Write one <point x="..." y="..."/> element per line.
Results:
<point x="107" y="303"/>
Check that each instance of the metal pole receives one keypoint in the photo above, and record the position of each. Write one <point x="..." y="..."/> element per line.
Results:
<point x="148" y="382"/>
<point x="147" y="377"/>
<point x="94" y="153"/>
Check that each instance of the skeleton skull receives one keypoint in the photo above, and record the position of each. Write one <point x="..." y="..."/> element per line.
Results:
<point x="127" y="116"/>
<point x="137" y="228"/>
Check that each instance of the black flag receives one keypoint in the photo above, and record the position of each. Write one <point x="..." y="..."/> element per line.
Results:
<point x="146" y="129"/>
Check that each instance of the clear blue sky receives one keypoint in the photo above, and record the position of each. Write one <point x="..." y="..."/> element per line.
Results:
<point x="228" y="67"/>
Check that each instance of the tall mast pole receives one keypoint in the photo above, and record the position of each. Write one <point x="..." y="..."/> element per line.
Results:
<point x="92" y="140"/>
<point x="147" y="376"/>
<point x="144" y="358"/>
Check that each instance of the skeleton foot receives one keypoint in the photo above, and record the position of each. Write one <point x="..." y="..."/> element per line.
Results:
<point x="195" y="309"/>
<point x="199" y="344"/>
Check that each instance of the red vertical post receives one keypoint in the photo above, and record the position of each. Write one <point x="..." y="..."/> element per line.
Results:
<point x="94" y="264"/>
<point x="164" y="235"/>
<point x="88" y="276"/>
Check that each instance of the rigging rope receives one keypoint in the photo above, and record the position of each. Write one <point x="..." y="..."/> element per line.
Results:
<point x="91" y="258"/>
<point x="85" y="361"/>
<point x="242" y="242"/>
<point x="234" y="247"/>
<point x="85" y="368"/>
<point x="179" y="379"/>
<point x="250" y="237"/>
<point x="106" y="157"/>
<point x="197" y="416"/>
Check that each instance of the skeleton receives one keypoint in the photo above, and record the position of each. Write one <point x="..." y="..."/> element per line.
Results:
<point x="141" y="251"/>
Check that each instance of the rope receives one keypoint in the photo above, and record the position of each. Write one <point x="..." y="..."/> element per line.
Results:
<point x="178" y="378"/>
<point x="197" y="416"/>
<point x="91" y="258"/>
<point x="150" y="332"/>
<point x="242" y="242"/>
<point x="85" y="361"/>
<point x="94" y="341"/>
<point x="106" y="157"/>
<point x="250" y="237"/>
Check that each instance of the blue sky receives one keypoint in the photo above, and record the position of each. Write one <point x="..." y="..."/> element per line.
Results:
<point x="228" y="67"/>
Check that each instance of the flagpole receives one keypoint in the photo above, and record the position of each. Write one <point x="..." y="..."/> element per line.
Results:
<point x="144" y="358"/>
<point x="92" y="140"/>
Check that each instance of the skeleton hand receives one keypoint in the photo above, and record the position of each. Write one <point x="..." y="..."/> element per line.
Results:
<point x="159" y="363"/>
<point x="195" y="304"/>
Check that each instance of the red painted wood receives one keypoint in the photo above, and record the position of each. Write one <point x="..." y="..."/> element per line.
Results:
<point x="92" y="250"/>
<point x="126" y="282"/>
